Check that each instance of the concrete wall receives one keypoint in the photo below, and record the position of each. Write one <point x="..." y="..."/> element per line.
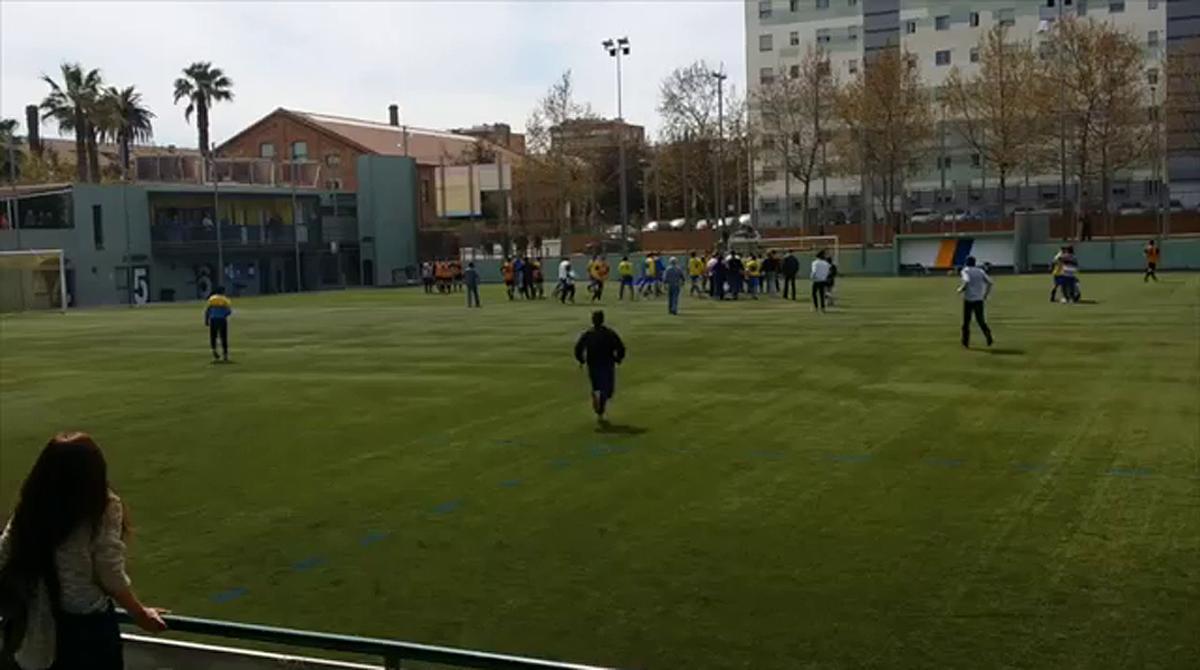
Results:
<point x="1121" y="255"/>
<point x="387" y="213"/>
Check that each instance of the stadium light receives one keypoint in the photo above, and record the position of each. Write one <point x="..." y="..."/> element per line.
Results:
<point x="616" y="48"/>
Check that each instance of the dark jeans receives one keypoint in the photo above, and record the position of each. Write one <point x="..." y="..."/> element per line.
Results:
<point x="88" y="642"/>
<point x="473" y="295"/>
<point x="974" y="307"/>
<point x="673" y="299"/>
<point x="1150" y="272"/>
<point x="566" y="291"/>
<point x="218" y="328"/>
<point x="818" y="295"/>
<point x="789" y="284"/>
<point x="627" y="282"/>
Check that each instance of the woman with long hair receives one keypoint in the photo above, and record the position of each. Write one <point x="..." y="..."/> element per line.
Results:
<point x="62" y="564"/>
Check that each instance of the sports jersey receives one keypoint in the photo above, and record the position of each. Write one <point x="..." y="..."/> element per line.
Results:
<point x="218" y="308"/>
<point x="625" y="269"/>
<point x="601" y="271"/>
<point x="650" y="266"/>
<point x="1152" y="254"/>
<point x="752" y="267"/>
<point x="695" y="267"/>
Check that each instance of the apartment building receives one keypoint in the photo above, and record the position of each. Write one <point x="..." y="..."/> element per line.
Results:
<point x="939" y="34"/>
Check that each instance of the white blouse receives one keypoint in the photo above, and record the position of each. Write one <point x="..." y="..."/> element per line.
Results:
<point x="91" y="565"/>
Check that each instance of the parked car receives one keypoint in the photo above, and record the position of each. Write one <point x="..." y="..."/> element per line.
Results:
<point x="957" y="215"/>
<point x="1175" y="206"/>
<point x="702" y="224"/>
<point x="677" y="224"/>
<point x="923" y="216"/>
<point x="650" y="227"/>
<point x="1131" y="208"/>
<point x="744" y="220"/>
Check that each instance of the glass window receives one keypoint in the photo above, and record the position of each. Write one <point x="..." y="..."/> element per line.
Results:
<point x="1152" y="4"/>
<point x="794" y="38"/>
<point x="97" y="226"/>
<point x="975" y="160"/>
<point x="1152" y="38"/>
<point x="852" y="64"/>
<point x="333" y="160"/>
<point x="764" y="9"/>
<point x="793" y="5"/>
<point x="942" y="22"/>
<point x="299" y="150"/>
<point x="266" y="150"/>
<point x="1152" y="76"/>
<point x="794" y="71"/>
<point x="823" y="36"/>
<point x="910" y="27"/>
<point x="1006" y="17"/>
<point x="766" y="42"/>
<point x="942" y="57"/>
<point x="852" y="33"/>
<point x="974" y="19"/>
<point x="974" y="54"/>
<point x="1116" y="7"/>
<point x="822" y="4"/>
<point x="766" y="75"/>
<point x="852" y="3"/>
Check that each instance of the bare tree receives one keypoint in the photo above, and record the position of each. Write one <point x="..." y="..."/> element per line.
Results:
<point x="888" y="121"/>
<point x="1099" y="75"/>
<point x="688" y="103"/>
<point x="552" y="180"/>
<point x="1183" y="98"/>
<point x="796" y="114"/>
<point x="997" y="110"/>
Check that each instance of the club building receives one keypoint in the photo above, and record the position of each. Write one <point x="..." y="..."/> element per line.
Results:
<point x="941" y="34"/>
<point x="300" y="202"/>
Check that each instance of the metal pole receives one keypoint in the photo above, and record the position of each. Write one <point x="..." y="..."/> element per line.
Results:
<point x="217" y="222"/>
<point x="62" y="279"/>
<point x="657" y="186"/>
<point x="296" y="231"/>
<point x="720" y="146"/>
<point x="1062" y="134"/>
<point x="621" y="150"/>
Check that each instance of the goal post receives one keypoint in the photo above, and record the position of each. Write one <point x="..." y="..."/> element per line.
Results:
<point x="803" y="246"/>
<point x="33" y="279"/>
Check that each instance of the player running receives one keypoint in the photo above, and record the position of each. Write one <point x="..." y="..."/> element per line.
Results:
<point x="217" y="311"/>
<point x="566" y="281"/>
<point x="1151" y="252"/>
<point x="625" y="273"/>
<point x="598" y="273"/>
<point x="509" y="273"/>
<point x="601" y="349"/>
<point x="976" y="287"/>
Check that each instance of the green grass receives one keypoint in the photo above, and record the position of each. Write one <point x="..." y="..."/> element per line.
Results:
<point x="852" y="490"/>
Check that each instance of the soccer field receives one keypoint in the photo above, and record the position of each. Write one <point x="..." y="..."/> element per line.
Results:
<point x="780" y="489"/>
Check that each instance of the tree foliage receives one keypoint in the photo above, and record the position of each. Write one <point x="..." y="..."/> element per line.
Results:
<point x="202" y="85"/>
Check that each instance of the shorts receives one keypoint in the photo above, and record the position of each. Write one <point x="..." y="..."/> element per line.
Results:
<point x="1151" y="266"/>
<point x="627" y="281"/>
<point x="604" y="380"/>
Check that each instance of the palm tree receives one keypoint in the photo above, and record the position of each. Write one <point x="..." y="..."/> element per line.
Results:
<point x="124" y="120"/>
<point x="72" y="104"/>
<point x="8" y="144"/>
<point x="202" y="85"/>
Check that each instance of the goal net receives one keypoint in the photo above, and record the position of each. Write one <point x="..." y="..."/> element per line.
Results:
<point x="32" y="279"/>
<point x="802" y="246"/>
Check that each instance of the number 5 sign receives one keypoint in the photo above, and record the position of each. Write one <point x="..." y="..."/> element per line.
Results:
<point x="139" y="285"/>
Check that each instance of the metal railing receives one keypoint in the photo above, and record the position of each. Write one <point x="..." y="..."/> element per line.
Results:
<point x="394" y="654"/>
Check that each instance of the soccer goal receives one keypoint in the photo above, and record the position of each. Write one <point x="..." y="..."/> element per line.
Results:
<point x="33" y="279"/>
<point x="803" y="246"/>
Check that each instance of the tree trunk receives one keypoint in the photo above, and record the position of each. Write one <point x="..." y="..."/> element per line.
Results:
<point x="93" y="152"/>
<point x="805" y="228"/>
<point x="202" y="128"/>
<point x="125" y="157"/>
<point x="81" y="153"/>
<point x="1003" y="197"/>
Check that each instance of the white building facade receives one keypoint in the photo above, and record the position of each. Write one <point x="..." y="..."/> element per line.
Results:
<point x="939" y="34"/>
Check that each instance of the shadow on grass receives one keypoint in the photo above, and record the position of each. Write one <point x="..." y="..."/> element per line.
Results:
<point x="1004" y="351"/>
<point x="618" y="429"/>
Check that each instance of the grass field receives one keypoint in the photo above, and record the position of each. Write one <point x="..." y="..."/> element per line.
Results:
<point x="781" y="490"/>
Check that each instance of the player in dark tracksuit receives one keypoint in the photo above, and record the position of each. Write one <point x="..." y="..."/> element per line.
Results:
<point x="602" y="351"/>
<point x="216" y="316"/>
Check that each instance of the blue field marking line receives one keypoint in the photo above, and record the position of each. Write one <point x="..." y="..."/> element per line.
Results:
<point x="1135" y="473"/>
<point x="943" y="462"/>
<point x="510" y="483"/>
<point x="309" y="563"/>
<point x="229" y="595"/>
<point x="560" y="463"/>
<point x="849" y="458"/>
<point x="374" y="537"/>
<point x="447" y="507"/>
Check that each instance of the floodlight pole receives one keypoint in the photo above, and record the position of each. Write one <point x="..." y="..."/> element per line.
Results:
<point x="617" y="48"/>
<point x="296" y="229"/>
<point x="720" y="199"/>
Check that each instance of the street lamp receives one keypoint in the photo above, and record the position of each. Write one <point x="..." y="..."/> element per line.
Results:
<point x="720" y="199"/>
<point x="617" y="48"/>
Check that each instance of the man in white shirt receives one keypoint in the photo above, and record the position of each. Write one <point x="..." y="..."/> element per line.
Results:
<point x="566" y="281"/>
<point x="820" y="278"/>
<point x="976" y="286"/>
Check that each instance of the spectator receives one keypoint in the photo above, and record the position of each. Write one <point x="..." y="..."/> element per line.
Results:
<point x="673" y="277"/>
<point x="791" y="268"/>
<point x="62" y="564"/>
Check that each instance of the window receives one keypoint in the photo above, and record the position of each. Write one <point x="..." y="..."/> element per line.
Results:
<point x="336" y="185"/>
<point x="823" y="68"/>
<point x="852" y="33"/>
<point x="1116" y="7"/>
<point x="974" y="54"/>
<point x="853" y="66"/>
<point x="974" y="19"/>
<point x="1006" y="17"/>
<point x="941" y="22"/>
<point x="976" y="161"/>
<point x="1154" y="113"/>
<point x="945" y="162"/>
<point x="1152" y="4"/>
<point x="766" y="76"/>
<point x="822" y="4"/>
<point x="793" y="5"/>
<point x="766" y="42"/>
<point x="910" y="27"/>
<point x="823" y="36"/>
<point x="794" y="38"/>
<point x="794" y="71"/>
<point x="299" y="150"/>
<point x="770" y="206"/>
<point x="1152" y="76"/>
<point x="266" y="150"/>
<point x="942" y="57"/>
<point x="764" y="9"/>
<point x="97" y="227"/>
<point x="912" y="61"/>
<point x="852" y="3"/>
<point x="1152" y="38"/>
<point x="333" y="160"/>
<point x="769" y="175"/>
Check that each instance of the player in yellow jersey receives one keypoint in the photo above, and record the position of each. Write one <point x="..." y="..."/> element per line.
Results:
<point x="754" y="274"/>
<point x="625" y="273"/>
<point x="217" y="311"/>
<point x="695" y="270"/>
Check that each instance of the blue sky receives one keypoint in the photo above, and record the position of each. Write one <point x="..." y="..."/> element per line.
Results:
<point x="446" y="63"/>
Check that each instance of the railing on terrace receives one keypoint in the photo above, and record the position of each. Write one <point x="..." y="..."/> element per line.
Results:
<point x="394" y="655"/>
<point x="192" y="169"/>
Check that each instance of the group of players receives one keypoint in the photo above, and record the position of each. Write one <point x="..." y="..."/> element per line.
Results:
<point x="443" y="276"/>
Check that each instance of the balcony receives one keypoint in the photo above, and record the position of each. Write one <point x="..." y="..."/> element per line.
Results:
<point x="191" y="169"/>
<point x="276" y="237"/>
